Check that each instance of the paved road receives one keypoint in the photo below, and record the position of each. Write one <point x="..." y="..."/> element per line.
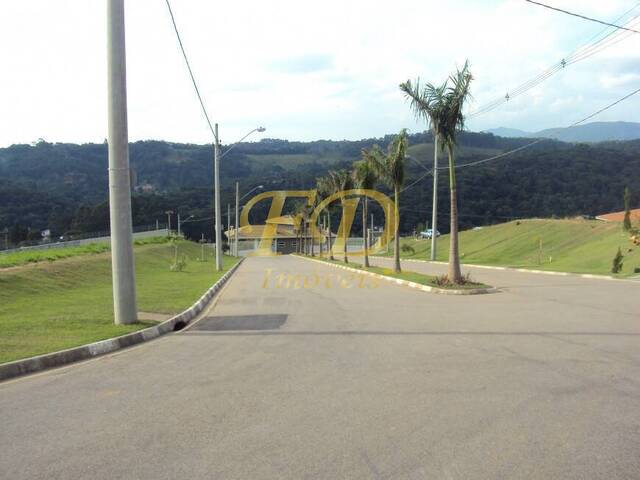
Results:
<point x="351" y="381"/>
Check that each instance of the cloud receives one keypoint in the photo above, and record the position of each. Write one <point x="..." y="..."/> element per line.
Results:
<point x="310" y="63"/>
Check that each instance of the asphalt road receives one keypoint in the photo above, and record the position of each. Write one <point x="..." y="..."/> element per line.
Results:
<point x="344" y="378"/>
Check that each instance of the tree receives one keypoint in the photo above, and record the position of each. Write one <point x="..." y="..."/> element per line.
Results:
<point x="324" y="187"/>
<point x="390" y="169"/>
<point x="617" y="262"/>
<point x="626" y="224"/>
<point x="451" y="123"/>
<point x="428" y="103"/>
<point x="364" y="176"/>
<point x="340" y="181"/>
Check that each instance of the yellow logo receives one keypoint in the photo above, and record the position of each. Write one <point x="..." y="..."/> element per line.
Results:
<point x="349" y="200"/>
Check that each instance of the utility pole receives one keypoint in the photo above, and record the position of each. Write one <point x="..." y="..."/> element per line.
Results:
<point x="371" y="235"/>
<point x="169" y="213"/>
<point x="122" y="263"/>
<point x="179" y="225"/>
<point x="216" y="181"/>
<point x="235" y="231"/>
<point x="434" y="213"/>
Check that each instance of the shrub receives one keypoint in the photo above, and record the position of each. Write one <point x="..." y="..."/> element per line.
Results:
<point x="616" y="267"/>
<point x="405" y="248"/>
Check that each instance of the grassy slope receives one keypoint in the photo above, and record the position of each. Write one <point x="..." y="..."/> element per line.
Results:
<point x="52" y="306"/>
<point x="579" y="246"/>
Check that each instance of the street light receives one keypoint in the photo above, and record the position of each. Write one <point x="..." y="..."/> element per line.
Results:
<point x="169" y="213"/>
<point x="238" y="198"/>
<point x="181" y="222"/>
<point x="216" y="180"/>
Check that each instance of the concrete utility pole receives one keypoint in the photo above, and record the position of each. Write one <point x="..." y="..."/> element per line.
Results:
<point x="434" y="213"/>
<point x="122" y="263"/>
<point x="216" y="181"/>
<point x="371" y="234"/>
<point x="179" y="225"/>
<point x="235" y="231"/>
<point x="169" y="213"/>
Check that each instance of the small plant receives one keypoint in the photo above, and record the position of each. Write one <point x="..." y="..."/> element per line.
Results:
<point x="617" y="262"/>
<point x="406" y="248"/>
<point x="443" y="281"/>
<point x="179" y="265"/>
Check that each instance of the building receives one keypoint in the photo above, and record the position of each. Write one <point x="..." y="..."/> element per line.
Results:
<point x="285" y="237"/>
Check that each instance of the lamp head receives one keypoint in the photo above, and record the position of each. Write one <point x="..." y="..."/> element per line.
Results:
<point x="261" y="129"/>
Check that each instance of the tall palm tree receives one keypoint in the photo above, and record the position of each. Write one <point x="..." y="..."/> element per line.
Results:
<point x="390" y="169"/>
<point x="324" y="187"/>
<point x="427" y="102"/>
<point x="340" y="181"/>
<point x="364" y="176"/>
<point x="452" y="122"/>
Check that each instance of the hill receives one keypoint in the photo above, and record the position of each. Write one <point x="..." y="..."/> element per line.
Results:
<point x="589" y="132"/>
<point x="63" y="187"/>
<point x="575" y="245"/>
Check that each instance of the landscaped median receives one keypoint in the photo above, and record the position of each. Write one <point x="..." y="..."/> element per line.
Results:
<point x="415" y="280"/>
<point x="53" y="306"/>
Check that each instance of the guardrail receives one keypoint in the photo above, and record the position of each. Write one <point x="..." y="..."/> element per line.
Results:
<point x="83" y="241"/>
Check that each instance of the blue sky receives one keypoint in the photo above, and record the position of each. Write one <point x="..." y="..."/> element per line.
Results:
<point x="305" y="70"/>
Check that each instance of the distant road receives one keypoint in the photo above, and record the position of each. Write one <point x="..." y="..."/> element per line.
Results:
<point x="84" y="241"/>
<point x="343" y="382"/>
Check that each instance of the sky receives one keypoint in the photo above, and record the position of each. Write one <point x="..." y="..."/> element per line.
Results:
<point x="305" y="70"/>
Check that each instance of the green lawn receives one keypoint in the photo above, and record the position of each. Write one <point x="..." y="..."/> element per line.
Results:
<point x="14" y="259"/>
<point x="409" y="276"/>
<point x="580" y="246"/>
<point x="50" y="306"/>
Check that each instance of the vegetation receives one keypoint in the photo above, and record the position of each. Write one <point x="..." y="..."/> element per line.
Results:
<point x="46" y="307"/>
<point x="617" y="265"/>
<point x="570" y="245"/>
<point x="390" y="169"/>
<point x="63" y="187"/>
<point x="422" y="279"/>
<point x="364" y="177"/>
<point x="626" y="223"/>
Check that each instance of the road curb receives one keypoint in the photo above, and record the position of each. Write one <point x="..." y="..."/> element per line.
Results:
<point x="63" y="357"/>
<point x="418" y="286"/>
<point x="522" y="270"/>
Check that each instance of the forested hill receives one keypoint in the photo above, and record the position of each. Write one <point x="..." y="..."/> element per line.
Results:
<point x="64" y="186"/>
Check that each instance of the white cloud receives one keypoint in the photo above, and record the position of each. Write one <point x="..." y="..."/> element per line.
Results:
<point x="305" y="70"/>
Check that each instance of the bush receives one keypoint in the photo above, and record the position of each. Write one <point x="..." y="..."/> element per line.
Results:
<point x="179" y="265"/>
<point x="636" y="270"/>
<point x="443" y="281"/>
<point x="616" y="267"/>
<point x="405" y="248"/>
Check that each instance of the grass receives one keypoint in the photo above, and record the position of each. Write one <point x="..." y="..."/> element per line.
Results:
<point x="50" y="255"/>
<point x="409" y="276"/>
<point x="570" y="245"/>
<point x="46" y="307"/>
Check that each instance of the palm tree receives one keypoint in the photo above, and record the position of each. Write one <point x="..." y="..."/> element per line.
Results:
<point x="451" y="123"/>
<point x="390" y="169"/>
<point x="428" y="103"/>
<point x="324" y="187"/>
<point x="364" y="176"/>
<point x="340" y="181"/>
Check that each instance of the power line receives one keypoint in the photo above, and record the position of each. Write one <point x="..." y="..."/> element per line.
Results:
<point x="193" y="80"/>
<point x="523" y="147"/>
<point x="583" y="17"/>
<point x="587" y="50"/>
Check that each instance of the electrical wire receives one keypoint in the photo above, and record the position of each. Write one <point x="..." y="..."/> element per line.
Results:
<point x="193" y="79"/>
<point x="587" y="50"/>
<point x="582" y="16"/>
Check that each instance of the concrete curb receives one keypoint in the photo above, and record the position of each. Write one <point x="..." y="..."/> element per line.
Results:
<point x="84" y="352"/>
<point x="418" y="286"/>
<point x="523" y="270"/>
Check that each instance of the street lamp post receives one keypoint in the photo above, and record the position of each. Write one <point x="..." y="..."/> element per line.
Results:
<point x="169" y="213"/>
<point x="238" y="198"/>
<point x="216" y="175"/>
